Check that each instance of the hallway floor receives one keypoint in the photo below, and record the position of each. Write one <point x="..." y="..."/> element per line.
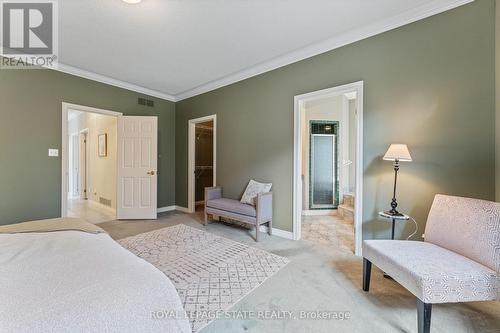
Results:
<point x="89" y="211"/>
<point x="330" y="230"/>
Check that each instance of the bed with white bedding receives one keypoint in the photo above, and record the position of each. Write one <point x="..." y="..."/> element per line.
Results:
<point x="75" y="281"/>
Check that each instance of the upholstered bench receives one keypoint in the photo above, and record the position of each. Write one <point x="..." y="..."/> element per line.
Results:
<point x="262" y="213"/>
<point x="458" y="262"/>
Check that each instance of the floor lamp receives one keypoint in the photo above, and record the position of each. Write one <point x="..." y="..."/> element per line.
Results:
<point x="396" y="153"/>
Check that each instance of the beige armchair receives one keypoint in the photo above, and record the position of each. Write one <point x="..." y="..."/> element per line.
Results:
<point x="459" y="261"/>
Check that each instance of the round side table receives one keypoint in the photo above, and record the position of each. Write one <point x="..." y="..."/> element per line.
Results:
<point x="393" y="218"/>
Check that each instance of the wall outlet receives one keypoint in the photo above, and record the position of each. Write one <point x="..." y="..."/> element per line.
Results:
<point x="53" y="152"/>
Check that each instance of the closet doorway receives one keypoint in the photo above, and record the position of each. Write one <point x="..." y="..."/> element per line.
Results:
<point x="202" y="159"/>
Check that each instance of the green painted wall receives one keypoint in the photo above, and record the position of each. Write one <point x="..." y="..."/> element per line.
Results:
<point x="30" y="124"/>
<point x="429" y="84"/>
<point x="497" y="97"/>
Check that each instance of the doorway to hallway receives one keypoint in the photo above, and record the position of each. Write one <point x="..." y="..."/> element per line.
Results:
<point x="92" y="159"/>
<point x="124" y="149"/>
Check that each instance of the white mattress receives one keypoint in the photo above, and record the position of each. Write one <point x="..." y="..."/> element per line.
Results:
<point x="71" y="281"/>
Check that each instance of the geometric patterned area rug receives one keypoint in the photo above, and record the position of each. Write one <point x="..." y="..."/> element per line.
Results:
<point x="210" y="273"/>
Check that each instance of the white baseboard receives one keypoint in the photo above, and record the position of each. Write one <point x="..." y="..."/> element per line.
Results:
<point x="165" y="209"/>
<point x="320" y="212"/>
<point x="171" y="208"/>
<point x="101" y="206"/>
<point x="263" y="228"/>
<point x="182" y="209"/>
<point x="278" y="232"/>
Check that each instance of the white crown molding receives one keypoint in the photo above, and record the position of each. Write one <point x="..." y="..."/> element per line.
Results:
<point x="113" y="82"/>
<point x="429" y="9"/>
<point x="413" y="15"/>
<point x="103" y="79"/>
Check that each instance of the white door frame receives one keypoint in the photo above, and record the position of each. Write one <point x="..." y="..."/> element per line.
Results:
<point x="191" y="156"/>
<point x="83" y="163"/>
<point x="344" y="142"/>
<point x="73" y="188"/>
<point x="299" y="109"/>
<point x="66" y="107"/>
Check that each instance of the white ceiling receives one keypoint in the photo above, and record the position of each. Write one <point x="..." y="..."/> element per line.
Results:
<point x="175" y="49"/>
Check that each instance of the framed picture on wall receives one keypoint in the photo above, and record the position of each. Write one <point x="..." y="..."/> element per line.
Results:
<point x="103" y="145"/>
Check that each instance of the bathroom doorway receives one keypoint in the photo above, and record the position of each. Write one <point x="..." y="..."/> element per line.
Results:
<point x="328" y="146"/>
<point x="323" y="164"/>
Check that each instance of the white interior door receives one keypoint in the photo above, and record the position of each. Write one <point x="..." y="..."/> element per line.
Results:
<point x="137" y="167"/>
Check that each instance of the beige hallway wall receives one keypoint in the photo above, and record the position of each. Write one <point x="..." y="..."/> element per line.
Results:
<point x="101" y="170"/>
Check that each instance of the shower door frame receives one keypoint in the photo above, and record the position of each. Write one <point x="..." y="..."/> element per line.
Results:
<point x="335" y="136"/>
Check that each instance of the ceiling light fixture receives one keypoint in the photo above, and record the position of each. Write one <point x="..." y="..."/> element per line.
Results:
<point x="132" y="1"/>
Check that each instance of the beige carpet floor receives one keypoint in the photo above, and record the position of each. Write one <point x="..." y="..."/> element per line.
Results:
<point x="322" y="278"/>
<point x="211" y="273"/>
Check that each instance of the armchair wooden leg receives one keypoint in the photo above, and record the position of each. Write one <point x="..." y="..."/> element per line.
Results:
<point x="367" y="272"/>
<point x="270" y="231"/>
<point x="424" y="316"/>
<point x="257" y="232"/>
<point x="206" y="219"/>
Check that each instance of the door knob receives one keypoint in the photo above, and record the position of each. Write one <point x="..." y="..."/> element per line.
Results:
<point x="151" y="173"/>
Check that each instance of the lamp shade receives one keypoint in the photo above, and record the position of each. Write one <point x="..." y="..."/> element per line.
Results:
<point x="398" y="152"/>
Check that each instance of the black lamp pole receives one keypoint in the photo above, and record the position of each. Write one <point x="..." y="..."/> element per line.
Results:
<point x="394" y="203"/>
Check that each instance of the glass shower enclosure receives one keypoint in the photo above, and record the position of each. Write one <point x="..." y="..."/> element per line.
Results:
<point x="323" y="165"/>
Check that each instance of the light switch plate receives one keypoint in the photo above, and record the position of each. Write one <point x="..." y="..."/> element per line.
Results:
<point x="53" y="152"/>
